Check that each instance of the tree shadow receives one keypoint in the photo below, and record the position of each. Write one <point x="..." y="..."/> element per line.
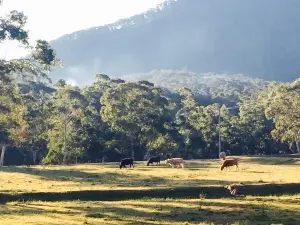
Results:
<point x="212" y="212"/>
<point x="273" y="160"/>
<point x="57" y="174"/>
<point x="24" y="209"/>
<point x="182" y="192"/>
<point x="119" y="179"/>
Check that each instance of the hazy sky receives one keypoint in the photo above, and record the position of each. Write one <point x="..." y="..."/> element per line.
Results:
<point x="50" y="19"/>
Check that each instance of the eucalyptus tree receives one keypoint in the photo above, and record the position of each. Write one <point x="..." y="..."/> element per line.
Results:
<point x="66" y="133"/>
<point x="283" y="106"/>
<point x="136" y="109"/>
<point x="13" y="127"/>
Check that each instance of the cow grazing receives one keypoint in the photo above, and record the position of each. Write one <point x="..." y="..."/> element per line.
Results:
<point x="222" y="155"/>
<point x="153" y="160"/>
<point x="126" y="161"/>
<point x="230" y="162"/>
<point x="175" y="161"/>
<point x="235" y="189"/>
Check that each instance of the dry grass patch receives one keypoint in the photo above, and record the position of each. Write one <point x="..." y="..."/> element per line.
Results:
<point x="99" y="177"/>
<point x="249" y="210"/>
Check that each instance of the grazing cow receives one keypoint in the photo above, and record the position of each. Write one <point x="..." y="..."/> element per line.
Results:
<point x="222" y="155"/>
<point x="126" y="161"/>
<point x="235" y="189"/>
<point x="175" y="161"/>
<point x="230" y="162"/>
<point x="153" y="160"/>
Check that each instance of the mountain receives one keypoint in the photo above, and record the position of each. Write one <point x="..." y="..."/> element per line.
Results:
<point x="253" y="37"/>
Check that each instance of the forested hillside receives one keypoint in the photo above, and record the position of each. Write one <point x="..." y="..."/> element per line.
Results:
<point x="208" y="87"/>
<point x="253" y="37"/>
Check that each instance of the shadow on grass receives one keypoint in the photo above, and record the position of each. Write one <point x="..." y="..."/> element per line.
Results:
<point x="273" y="160"/>
<point x="57" y="174"/>
<point x="186" y="192"/>
<point x="24" y="209"/>
<point x="120" y="178"/>
<point x="212" y="212"/>
<point x="153" y="211"/>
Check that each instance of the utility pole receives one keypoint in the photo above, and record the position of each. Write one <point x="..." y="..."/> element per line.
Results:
<point x="219" y="122"/>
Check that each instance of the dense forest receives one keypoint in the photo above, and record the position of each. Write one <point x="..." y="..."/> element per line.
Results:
<point x="253" y="37"/>
<point x="113" y="118"/>
<point x="172" y="113"/>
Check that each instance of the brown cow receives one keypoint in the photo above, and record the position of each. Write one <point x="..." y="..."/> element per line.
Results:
<point x="230" y="162"/>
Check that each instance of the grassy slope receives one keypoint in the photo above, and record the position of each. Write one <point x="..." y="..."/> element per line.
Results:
<point x="282" y="209"/>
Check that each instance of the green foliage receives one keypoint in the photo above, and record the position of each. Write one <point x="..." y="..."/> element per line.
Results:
<point x="16" y="118"/>
<point x="282" y="106"/>
<point x="111" y="119"/>
<point x="137" y="110"/>
<point x="66" y="133"/>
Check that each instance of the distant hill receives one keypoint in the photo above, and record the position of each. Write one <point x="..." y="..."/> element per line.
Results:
<point x="254" y="37"/>
<point x="209" y="87"/>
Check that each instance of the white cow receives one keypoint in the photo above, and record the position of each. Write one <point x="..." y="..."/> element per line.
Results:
<point x="176" y="161"/>
<point x="222" y="155"/>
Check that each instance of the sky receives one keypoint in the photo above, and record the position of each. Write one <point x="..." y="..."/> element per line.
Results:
<point x="50" y="19"/>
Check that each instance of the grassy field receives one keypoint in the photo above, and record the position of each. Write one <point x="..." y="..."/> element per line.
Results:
<point x="88" y="182"/>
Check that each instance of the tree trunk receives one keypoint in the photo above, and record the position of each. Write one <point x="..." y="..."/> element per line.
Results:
<point x="297" y="145"/>
<point x="4" y="148"/>
<point x="65" y="140"/>
<point x="132" y="148"/>
<point x="34" y="154"/>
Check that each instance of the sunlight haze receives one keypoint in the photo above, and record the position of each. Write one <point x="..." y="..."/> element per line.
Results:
<point x="51" y="19"/>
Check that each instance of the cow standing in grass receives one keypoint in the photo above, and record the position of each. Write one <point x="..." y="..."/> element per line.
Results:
<point x="230" y="162"/>
<point x="126" y="161"/>
<point x="153" y="160"/>
<point x="175" y="162"/>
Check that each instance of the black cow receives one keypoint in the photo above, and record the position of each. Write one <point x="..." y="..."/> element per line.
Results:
<point x="126" y="161"/>
<point x="153" y="160"/>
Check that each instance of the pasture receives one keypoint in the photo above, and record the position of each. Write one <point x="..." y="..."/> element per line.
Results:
<point x="105" y="194"/>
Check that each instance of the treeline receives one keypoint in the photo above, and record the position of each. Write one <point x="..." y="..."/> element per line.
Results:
<point x="112" y="119"/>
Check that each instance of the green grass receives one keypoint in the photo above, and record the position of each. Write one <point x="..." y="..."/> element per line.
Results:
<point x="108" y="195"/>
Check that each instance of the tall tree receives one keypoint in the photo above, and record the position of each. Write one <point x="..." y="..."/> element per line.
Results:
<point x="135" y="109"/>
<point x="13" y="71"/>
<point x="283" y="106"/>
<point x="66" y="134"/>
<point x="37" y="99"/>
